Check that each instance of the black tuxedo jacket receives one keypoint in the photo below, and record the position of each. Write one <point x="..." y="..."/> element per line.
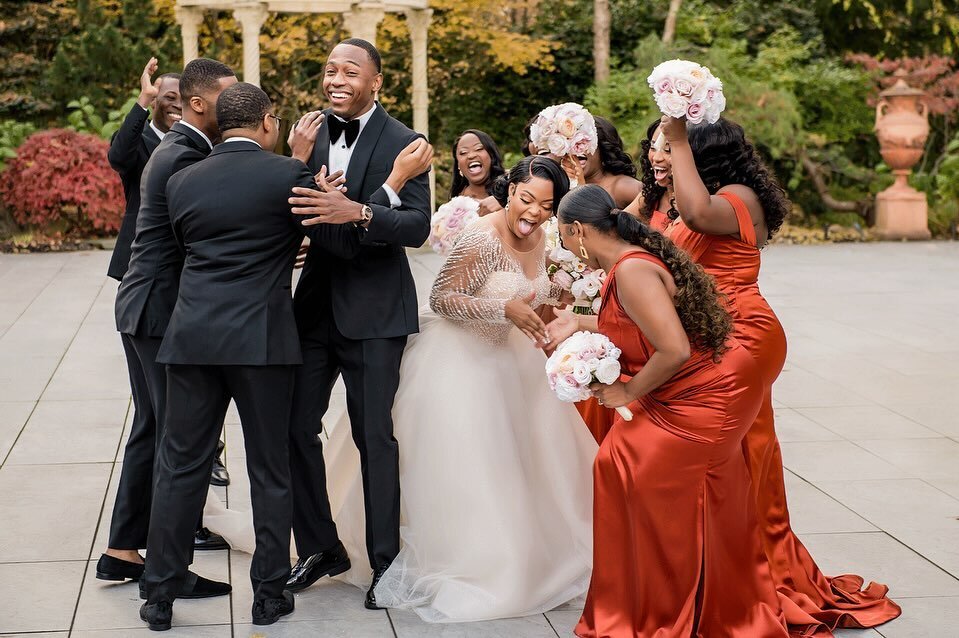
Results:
<point x="232" y="216"/>
<point x="148" y="291"/>
<point x="372" y="295"/>
<point x="130" y="149"/>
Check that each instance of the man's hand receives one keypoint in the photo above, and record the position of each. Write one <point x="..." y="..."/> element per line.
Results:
<point x="412" y="161"/>
<point x="303" y="135"/>
<point x="336" y="180"/>
<point x="148" y="89"/>
<point x="489" y="205"/>
<point x="329" y="205"/>
<point x="301" y="254"/>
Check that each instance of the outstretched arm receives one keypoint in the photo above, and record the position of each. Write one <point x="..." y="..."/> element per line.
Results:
<point x="126" y="141"/>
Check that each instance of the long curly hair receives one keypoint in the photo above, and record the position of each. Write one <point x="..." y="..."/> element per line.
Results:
<point x="698" y="302"/>
<point x="612" y="154"/>
<point x="724" y="156"/>
<point x="496" y="163"/>
<point x="652" y="192"/>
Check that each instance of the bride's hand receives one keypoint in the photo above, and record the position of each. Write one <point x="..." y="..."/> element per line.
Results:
<point x="565" y="325"/>
<point x="519" y="312"/>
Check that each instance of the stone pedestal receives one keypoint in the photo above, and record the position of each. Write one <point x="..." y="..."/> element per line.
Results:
<point x="901" y="211"/>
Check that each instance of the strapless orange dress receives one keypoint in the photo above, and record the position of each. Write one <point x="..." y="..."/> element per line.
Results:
<point x="676" y="547"/>
<point x="811" y="598"/>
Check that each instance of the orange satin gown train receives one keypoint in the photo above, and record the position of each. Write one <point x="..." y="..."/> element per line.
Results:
<point x="812" y="599"/>
<point x="676" y="548"/>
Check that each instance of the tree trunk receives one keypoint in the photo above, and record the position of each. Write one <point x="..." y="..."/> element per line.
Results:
<point x="601" y="23"/>
<point x="815" y="174"/>
<point x="670" y="29"/>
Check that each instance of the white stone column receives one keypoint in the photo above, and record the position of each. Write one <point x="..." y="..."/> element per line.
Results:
<point x="362" y="20"/>
<point x="251" y="18"/>
<point x="418" y="22"/>
<point x="189" y="19"/>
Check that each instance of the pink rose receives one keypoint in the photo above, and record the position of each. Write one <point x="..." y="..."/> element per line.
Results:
<point x="695" y="113"/>
<point x="684" y="87"/>
<point x="563" y="279"/>
<point x="665" y="85"/>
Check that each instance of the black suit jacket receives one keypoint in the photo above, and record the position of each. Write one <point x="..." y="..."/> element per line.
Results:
<point x="148" y="291"/>
<point x="232" y="216"/>
<point x="130" y="149"/>
<point x="372" y="295"/>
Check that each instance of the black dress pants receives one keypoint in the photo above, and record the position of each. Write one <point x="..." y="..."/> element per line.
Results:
<point x="371" y="373"/>
<point x="197" y="400"/>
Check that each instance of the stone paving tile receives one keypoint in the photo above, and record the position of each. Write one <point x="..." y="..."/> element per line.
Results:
<point x="39" y="596"/>
<point x="409" y="625"/>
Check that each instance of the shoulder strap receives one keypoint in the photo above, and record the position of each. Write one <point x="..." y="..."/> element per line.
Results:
<point x="747" y="232"/>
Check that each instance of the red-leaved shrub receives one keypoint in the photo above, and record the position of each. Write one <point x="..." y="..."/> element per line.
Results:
<point x="61" y="182"/>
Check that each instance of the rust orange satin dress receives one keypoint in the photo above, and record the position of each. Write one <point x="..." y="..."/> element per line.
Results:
<point x="676" y="548"/>
<point x="811" y="598"/>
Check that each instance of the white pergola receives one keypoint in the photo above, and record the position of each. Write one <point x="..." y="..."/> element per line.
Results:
<point x="360" y="18"/>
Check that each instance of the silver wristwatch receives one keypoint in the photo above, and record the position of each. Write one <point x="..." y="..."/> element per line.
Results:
<point x="367" y="216"/>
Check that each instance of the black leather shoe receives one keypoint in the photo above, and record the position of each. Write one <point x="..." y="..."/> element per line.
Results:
<point x="370" y="602"/>
<point x="312" y="568"/>
<point x="220" y="476"/>
<point x="269" y="610"/>
<point x="208" y="541"/>
<point x="159" y="616"/>
<point x="110" y="568"/>
<point x="196" y="586"/>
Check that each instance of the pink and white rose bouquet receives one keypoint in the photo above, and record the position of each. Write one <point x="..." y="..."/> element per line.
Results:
<point x="686" y="89"/>
<point x="565" y="129"/>
<point x="570" y="273"/>
<point x="450" y="220"/>
<point x="583" y="359"/>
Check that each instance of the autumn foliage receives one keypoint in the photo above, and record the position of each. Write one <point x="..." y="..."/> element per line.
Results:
<point x="61" y="182"/>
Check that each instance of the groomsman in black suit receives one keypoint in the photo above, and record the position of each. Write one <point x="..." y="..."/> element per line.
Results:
<point x="354" y="315"/>
<point x="147" y="295"/>
<point x="233" y="335"/>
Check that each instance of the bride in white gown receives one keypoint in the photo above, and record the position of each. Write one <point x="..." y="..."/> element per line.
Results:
<point x="495" y="471"/>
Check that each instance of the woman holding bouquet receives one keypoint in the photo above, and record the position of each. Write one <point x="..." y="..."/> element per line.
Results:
<point x="725" y="207"/>
<point x="477" y="164"/>
<point x="676" y="544"/>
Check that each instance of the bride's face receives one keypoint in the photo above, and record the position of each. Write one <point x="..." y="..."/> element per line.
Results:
<point x="530" y="204"/>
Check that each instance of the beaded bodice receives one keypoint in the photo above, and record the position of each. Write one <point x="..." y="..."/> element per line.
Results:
<point x="480" y="276"/>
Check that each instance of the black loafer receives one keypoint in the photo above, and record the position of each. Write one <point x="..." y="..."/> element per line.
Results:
<point x="220" y="476"/>
<point x="196" y="586"/>
<point x="269" y="610"/>
<point x="110" y="568"/>
<point x="370" y="602"/>
<point x="205" y="540"/>
<point x="158" y="616"/>
<point x="312" y="568"/>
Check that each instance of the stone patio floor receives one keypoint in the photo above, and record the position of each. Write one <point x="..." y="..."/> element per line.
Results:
<point x="867" y="412"/>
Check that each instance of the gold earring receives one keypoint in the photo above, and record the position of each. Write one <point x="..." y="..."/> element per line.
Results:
<point x="582" y="250"/>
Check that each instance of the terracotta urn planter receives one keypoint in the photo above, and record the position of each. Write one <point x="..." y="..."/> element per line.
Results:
<point x="902" y="127"/>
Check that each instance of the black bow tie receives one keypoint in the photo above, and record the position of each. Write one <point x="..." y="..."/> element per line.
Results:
<point x="338" y="127"/>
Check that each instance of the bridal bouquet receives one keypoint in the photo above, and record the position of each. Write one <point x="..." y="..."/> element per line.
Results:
<point x="686" y="89"/>
<point x="570" y="273"/>
<point x="565" y="129"/>
<point x="583" y="359"/>
<point x="450" y="220"/>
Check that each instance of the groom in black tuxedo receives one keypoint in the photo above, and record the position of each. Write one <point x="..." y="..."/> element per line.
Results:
<point x="354" y="315"/>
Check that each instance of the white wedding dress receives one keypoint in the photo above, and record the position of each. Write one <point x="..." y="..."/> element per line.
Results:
<point x="495" y="471"/>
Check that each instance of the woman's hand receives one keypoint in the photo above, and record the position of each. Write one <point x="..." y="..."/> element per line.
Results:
<point x="574" y="170"/>
<point x="519" y="312"/>
<point x="673" y="129"/>
<point x="614" y="395"/>
<point x="564" y="326"/>
<point x="488" y="205"/>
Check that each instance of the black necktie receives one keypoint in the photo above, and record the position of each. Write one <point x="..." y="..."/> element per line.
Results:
<point x="338" y="126"/>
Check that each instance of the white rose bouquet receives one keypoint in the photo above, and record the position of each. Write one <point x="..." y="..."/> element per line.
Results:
<point x="583" y="359"/>
<point x="450" y="220"/>
<point x="686" y="89"/>
<point x="565" y="129"/>
<point x="570" y="273"/>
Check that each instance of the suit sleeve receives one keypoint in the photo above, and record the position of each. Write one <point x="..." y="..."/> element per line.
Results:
<point x="341" y="240"/>
<point x="126" y="141"/>
<point x="408" y="225"/>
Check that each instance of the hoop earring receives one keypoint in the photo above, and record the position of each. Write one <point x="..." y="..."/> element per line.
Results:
<point x="582" y="250"/>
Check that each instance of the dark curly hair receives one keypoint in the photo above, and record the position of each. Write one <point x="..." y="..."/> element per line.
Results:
<point x="724" y="156"/>
<point x="526" y="169"/>
<point x="612" y="154"/>
<point x="652" y="192"/>
<point x="496" y="163"/>
<point x="698" y="302"/>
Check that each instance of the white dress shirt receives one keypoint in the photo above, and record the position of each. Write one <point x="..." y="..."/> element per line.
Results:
<point x="340" y="154"/>
<point x="240" y="138"/>
<point x="159" y="133"/>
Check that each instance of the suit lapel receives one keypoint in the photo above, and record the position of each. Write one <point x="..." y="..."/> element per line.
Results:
<point x="194" y="138"/>
<point x="321" y="148"/>
<point x="363" y="152"/>
<point x="150" y="139"/>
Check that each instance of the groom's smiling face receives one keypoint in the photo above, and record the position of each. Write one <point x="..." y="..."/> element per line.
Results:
<point x="350" y="81"/>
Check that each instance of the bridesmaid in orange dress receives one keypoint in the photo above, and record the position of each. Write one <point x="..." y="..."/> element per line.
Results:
<point x="722" y="208"/>
<point x="676" y="548"/>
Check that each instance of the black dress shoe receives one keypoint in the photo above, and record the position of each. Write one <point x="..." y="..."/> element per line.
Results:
<point x="269" y="610"/>
<point x="370" y="602"/>
<point x="220" y="476"/>
<point x="208" y="541"/>
<point x="158" y="616"/>
<point x="110" y="568"/>
<point x="312" y="568"/>
<point x="196" y="586"/>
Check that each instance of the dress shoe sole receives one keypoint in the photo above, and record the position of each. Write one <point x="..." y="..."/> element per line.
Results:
<point x="271" y="619"/>
<point x="211" y="547"/>
<point x="372" y="607"/>
<point x="157" y="626"/>
<point x="114" y="577"/>
<point x="220" y="482"/>
<point x="336" y="570"/>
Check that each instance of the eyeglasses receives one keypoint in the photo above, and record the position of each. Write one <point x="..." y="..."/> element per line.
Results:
<point x="276" y="117"/>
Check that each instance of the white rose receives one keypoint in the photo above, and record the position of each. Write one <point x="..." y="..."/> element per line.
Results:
<point x="557" y="144"/>
<point x="671" y="104"/>
<point x="582" y="373"/>
<point x="591" y="287"/>
<point x="597" y="304"/>
<point x="608" y="371"/>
